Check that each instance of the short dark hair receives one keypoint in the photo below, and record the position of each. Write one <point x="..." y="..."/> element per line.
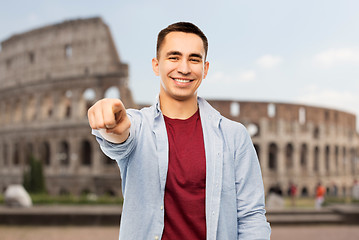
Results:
<point x="186" y="27"/>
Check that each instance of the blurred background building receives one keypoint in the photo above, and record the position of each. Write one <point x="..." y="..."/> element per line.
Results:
<point x="50" y="76"/>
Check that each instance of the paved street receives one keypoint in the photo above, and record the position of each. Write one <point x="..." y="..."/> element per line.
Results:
<point x="336" y="232"/>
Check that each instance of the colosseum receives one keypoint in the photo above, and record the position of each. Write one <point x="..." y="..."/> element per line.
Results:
<point x="51" y="75"/>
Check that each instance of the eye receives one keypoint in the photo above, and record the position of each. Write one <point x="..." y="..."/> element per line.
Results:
<point x="195" y="60"/>
<point x="173" y="58"/>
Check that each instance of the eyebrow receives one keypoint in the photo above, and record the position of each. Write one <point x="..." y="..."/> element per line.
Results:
<point x="180" y="54"/>
<point x="196" y="55"/>
<point x="174" y="53"/>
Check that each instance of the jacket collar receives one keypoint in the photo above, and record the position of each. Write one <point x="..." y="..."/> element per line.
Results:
<point x="206" y="110"/>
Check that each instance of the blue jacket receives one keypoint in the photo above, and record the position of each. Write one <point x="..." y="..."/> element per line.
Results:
<point x="234" y="187"/>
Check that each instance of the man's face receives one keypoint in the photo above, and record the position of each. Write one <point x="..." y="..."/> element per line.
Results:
<point x="181" y="65"/>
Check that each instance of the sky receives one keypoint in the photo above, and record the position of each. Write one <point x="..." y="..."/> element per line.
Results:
<point x="301" y="52"/>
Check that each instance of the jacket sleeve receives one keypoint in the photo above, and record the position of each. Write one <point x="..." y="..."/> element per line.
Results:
<point x="251" y="219"/>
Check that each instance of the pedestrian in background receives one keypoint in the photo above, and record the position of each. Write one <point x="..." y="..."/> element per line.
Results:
<point x="319" y="196"/>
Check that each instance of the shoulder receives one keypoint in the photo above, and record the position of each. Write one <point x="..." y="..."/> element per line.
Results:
<point x="140" y="113"/>
<point x="234" y="131"/>
<point x="226" y="125"/>
<point x="146" y="115"/>
<point x="230" y="125"/>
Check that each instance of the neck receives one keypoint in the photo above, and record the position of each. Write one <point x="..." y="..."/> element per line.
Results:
<point x="178" y="109"/>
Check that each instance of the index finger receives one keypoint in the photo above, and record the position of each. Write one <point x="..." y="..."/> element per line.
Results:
<point x="110" y="112"/>
<point x="117" y="107"/>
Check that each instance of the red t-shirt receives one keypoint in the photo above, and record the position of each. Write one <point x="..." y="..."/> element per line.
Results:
<point x="185" y="192"/>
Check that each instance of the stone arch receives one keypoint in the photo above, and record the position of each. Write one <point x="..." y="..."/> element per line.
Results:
<point x="3" y="112"/>
<point x="352" y="161"/>
<point x="316" y="159"/>
<point x="273" y="156"/>
<point x="336" y="157"/>
<point x="304" y="192"/>
<point x="333" y="189"/>
<point x="5" y="154"/>
<point x="30" y="108"/>
<point x="7" y="113"/>
<point x="344" y="159"/>
<point x="327" y="159"/>
<point x="112" y="92"/>
<point x="316" y="133"/>
<point x="86" y="153"/>
<point x="88" y="98"/>
<point x="289" y="152"/>
<point x="344" y="191"/>
<point x="45" y="153"/>
<point x="276" y="189"/>
<point x="47" y="107"/>
<point x="303" y="156"/>
<point x="17" y="114"/>
<point x="327" y="190"/>
<point x="65" y="104"/>
<point x="29" y="151"/>
<point x="16" y="155"/>
<point x="64" y="153"/>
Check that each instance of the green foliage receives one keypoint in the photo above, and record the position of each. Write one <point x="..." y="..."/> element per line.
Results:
<point x="303" y="202"/>
<point x="34" y="181"/>
<point x="40" y="199"/>
<point x="336" y="200"/>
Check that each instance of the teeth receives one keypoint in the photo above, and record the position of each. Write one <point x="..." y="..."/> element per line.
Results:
<point x="181" y="80"/>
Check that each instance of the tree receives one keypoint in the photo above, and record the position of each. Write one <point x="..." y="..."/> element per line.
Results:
<point x="34" y="181"/>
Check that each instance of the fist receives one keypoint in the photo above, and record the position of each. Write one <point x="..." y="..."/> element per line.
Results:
<point x="109" y="116"/>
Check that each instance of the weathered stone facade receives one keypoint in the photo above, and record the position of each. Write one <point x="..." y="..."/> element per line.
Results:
<point x="48" y="79"/>
<point x="51" y="75"/>
<point x="300" y="144"/>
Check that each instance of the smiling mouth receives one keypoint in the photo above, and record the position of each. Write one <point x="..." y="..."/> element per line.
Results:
<point x="182" y="80"/>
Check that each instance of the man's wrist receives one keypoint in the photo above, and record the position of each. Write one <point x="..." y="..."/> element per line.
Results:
<point x="115" y="138"/>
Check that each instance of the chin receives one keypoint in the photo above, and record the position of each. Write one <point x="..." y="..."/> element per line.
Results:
<point x="184" y="97"/>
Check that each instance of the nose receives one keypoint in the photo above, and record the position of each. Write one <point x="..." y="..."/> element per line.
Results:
<point x="184" y="67"/>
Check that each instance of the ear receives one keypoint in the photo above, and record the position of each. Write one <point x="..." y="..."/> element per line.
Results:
<point x="155" y="66"/>
<point x="205" y="70"/>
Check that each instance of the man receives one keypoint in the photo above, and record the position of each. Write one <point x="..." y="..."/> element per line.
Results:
<point x="187" y="172"/>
